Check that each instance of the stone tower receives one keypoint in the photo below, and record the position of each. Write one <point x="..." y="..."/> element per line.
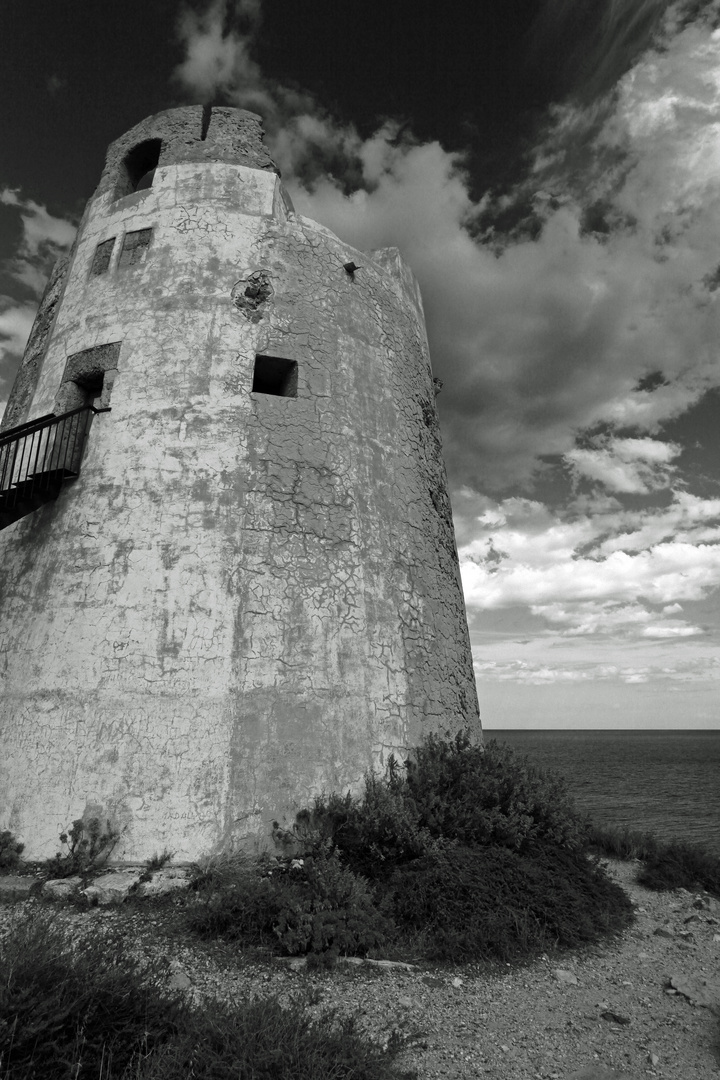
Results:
<point x="249" y="590"/>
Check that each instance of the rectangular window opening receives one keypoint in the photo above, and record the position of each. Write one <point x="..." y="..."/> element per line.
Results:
<point x="135" y="244"/>
<point x="102" y="257"/>
<point x="275" y="375"/>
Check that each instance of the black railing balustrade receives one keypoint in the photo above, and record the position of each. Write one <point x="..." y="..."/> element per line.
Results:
<point x="37" y="458"/>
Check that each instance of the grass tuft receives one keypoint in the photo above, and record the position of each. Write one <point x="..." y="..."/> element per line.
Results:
<point x="668" y="865"/>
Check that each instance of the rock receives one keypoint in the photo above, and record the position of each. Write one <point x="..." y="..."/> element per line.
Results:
<point x="692" y="918"/>
<point x="664" y="931"/>
<point x="614" y="1018"/>
<point x="61" y="888"/>
<point x="179" y="981"/>
<point x="405" y="1002"/>
<point x="15" y="886"/>
<point x="164" y="881"/>
<point x="653" y="1059"/>
<point x="698" y="990"/>
<point x="685" y="935"/>
<point x="112" y="888"/>
<point x="599" y="1072"/>
<point x="565" y="977"/>
<point x="457" y="983"/>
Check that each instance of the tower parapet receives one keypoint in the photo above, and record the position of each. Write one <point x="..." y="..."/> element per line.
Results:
<point x="251" y="591"/>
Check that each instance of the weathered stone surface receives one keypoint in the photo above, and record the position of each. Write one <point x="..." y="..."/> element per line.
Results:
<point x="167" y="880"/>
<point x="698" y="990"/>
<point x="245" y="598"/>
<point x="112" y="888"/>
<point x="15" y="886"/>
<point x="61" y="888"/>
<point x="566" y="977"/>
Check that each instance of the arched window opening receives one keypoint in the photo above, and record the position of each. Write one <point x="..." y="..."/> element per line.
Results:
<point x="138" y="168"/>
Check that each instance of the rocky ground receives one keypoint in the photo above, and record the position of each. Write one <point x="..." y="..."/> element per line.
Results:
<point x="646" y="1004"/>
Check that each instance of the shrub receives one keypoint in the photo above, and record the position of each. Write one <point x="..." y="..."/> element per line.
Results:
<point x="498" y="904"/>
<point x="88" y="848"/>
<point x="373" y="834"/>
<point x="481" y="795"/>
<point x="10" y="851"/>
<point x="70" y="1008"/>
<point x="333" y="911"/>
<point x="681" y="866"/>
<point x="246" y="908"/>
<point x="158" y="860"/>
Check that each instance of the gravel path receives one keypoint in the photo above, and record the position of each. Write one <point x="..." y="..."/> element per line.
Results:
<point x="607" y="1010"/>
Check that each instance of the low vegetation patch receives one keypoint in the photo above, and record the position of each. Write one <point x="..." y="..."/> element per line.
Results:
<point x="463" y="853"/>
<point x="667" y="865"/>
<point x="85" y="1007"/>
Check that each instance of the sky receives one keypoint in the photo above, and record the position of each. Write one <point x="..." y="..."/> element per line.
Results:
<point x="550" y="170"/>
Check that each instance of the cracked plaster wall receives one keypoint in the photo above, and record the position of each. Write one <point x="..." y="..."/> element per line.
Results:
<point x="244" y="599"/>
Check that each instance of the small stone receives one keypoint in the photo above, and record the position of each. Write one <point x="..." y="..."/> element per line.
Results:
<point x="505" y="1049"/>
<point x="663" y="931"/>
<point x="615" y="1018"/>
<point x="692" y="918"/>
<point x="405" y="1002"/>
<point x="457" y="982"/>
<point x="653" y="1059"/>
<point x="179" y="981"/>
<point x="716" y="937"/>
<point x="568" y="978"/>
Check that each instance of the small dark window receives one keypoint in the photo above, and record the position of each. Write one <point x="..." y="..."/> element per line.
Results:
<point x="274" y="375"/>
<point x="138" y="168"/>
<point x="102" y="257"/>
<point x="135" y="244"/>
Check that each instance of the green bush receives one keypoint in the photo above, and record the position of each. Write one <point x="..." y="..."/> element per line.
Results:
<point x="77" y="1008"/>
<point x="315" y="905"/>
<point x="246" y="908"/>
<point x="492" y="903"/>
<point x="480" y="795"/>
<point x="681" y="866"/>
<point x="333" y="911"/>
<point x="373" y="834"/>
<point x="87" y="848"/>
<point x="10" y="851"/>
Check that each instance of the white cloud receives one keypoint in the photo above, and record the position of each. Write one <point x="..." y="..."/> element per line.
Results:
<point x="632" y="466"/>
<point x="609" y="572"/>
<point x="44" y="237"/>
<point x="535" y="339"/>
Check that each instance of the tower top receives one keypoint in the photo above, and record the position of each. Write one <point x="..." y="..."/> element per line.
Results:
<point x="194" y="133"/>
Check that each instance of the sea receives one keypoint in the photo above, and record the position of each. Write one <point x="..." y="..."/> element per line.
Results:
<point x="666" y="782"/>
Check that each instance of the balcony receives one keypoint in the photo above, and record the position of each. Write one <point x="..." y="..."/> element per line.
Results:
<point x="38" y="458"/>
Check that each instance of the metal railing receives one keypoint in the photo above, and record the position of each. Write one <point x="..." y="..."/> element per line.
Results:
<point x="37" y="458"/>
